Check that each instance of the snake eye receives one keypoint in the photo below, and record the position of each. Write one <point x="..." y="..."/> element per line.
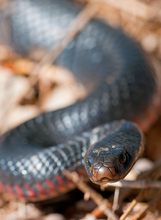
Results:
<point x="122" y="158"/>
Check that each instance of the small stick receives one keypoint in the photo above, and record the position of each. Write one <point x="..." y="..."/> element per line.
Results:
<point x="137" y="184"/>
<point x="134" y="7"/>
<point x="102" y="203"/>
<point x="150" y="204"/>
<point x="78" y="24"/>
<point x="116" y="199"/>
<point x="154" y="173"/>
<point x="139" y="197"/>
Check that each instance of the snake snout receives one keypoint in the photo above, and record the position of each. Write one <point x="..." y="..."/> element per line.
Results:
<point x="102" y="173"/>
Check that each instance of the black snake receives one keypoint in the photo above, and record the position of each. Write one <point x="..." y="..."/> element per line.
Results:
<point x="34" y="155"/>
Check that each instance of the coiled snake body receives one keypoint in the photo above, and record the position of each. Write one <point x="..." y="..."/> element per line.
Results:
<point x="34" y="155"/>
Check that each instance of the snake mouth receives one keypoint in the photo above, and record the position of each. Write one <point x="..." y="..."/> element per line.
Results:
<point x="102" y="173"/>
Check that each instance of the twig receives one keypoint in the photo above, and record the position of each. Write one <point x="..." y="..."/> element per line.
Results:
<point x="78" y="24"/>
<point x="116" y="199"/>
<point x="131" y="206"/>
<point x="154" y="201"/>
<point x="150" y="204"/>
<point x="137" y="184"/>
<point x="134" y="7"/>
<point x="102" y="203"/>
<point x="154" y="173"/>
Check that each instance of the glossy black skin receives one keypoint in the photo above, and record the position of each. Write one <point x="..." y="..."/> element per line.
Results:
<point x="106" y="58"/>
<point x="111" y="158"/>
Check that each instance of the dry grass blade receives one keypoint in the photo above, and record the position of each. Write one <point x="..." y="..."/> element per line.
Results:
<point x="137" y="184"/>
<point x="102" y="203"/>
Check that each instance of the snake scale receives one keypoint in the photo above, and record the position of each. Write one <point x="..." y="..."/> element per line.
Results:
<point x="102" y="131"/>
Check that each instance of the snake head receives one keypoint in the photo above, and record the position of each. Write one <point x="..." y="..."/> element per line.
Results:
<point x="111" y="158"/>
